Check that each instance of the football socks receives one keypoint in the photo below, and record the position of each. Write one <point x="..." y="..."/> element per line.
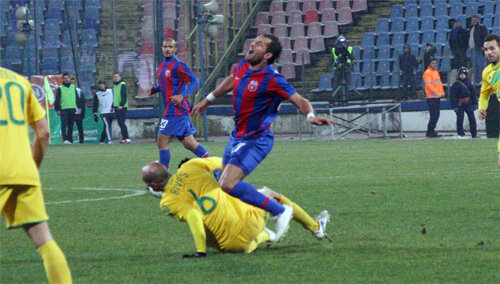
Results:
<point x="247" y="193"/>
<point x="54" y="262"/>
<point x="300" y="215"/>
<point x="201" y="152"/>
<point x="165" y="157"/>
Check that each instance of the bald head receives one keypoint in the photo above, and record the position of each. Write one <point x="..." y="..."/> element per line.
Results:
<point x="154" y="173"/>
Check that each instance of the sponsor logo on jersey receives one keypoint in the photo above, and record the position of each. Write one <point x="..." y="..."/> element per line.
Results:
<point x="167" y="73"/>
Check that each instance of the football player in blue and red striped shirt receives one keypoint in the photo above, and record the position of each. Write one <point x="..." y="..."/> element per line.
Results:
<point x="258" y="90"/>
<point x="176" y="82"/>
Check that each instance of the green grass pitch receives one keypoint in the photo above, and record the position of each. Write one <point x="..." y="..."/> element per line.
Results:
<point x="381" y="193"/>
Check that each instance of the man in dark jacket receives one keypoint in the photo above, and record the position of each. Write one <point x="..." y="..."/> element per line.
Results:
<point x="477" y="34"/>
<point x="120" y="105"/>
<point x="463" y="99"/>
<point x="408" y="63"/>
<point x="459" y="38"/>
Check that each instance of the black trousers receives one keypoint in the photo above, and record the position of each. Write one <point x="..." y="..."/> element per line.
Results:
<point x="107" y="119"/>
<point x="408" y="79"/>
<point x="120" y="117"/>
<point x="460" y="58"/>
<point x="79" y="126"/>
<point x="469" y="110"/>
<point x="342" y="76"/>
<point x="434" y="110"/>
<point x="67" y="120"/>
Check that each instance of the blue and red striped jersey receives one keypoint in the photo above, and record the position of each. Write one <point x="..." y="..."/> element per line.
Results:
<point x="256" y="98"/>
<point x="174" y="77"/>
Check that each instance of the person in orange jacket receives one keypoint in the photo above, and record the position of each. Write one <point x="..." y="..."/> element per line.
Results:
<point x="433" y="93"/>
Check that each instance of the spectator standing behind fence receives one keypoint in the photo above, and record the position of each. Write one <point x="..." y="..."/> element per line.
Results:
<point x="433" y="92"/>
<point x="103" y="102"/>
<point x="463" y="99"/>
<point x="459" y="38"/>
<point x="120" y="106"/>
<point x="408" y="63"/>
<point x="65" y="106"/>
<point x="80" y="110"/>
<point x="477" y="35"/>
<point x="429" y="52"/>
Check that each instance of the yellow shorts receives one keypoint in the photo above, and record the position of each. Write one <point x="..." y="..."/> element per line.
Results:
<point x="245" y="241"/>
<point x="21" y="205"/>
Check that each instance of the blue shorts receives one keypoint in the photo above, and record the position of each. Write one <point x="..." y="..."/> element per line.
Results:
<point x="179" y="126"/>
<point x="247" y="154"/>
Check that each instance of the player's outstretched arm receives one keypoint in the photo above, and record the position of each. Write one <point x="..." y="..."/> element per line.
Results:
<point x="225" y="87"/>
<point x="306" y="108"/>
<point x="41" y="141"/>
<point x="195" y="222"/>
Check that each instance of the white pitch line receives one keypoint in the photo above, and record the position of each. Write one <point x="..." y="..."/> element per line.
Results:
<point x="135" y="192"/>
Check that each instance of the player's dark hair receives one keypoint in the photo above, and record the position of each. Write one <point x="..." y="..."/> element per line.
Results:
<point x="65" y="74"/>
<point x="274" y="47"/>
<point x="493" y="37"/>
<point x="183" y="161"/>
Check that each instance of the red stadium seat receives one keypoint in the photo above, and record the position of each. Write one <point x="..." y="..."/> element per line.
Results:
<point x="311" y="16"/>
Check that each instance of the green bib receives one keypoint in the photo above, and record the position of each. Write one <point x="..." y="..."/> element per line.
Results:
<point x="68" y="97"/>
<point x="349" y="48"/>
<point x="117" y="90"/>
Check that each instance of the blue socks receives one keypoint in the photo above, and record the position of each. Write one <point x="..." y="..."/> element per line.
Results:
<point x="165" y="157"/>
<point x="201" y="152"/>
<point x="247" y="193"/>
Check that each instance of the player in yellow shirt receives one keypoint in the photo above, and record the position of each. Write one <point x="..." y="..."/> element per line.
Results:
<point x="21" y="198"/>
<point x="491" y="77"/>
<point x="214" y="217"/>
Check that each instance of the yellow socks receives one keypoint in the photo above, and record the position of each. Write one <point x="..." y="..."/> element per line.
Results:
<point x="54" y="262"/>
<point x="300" y="215"/>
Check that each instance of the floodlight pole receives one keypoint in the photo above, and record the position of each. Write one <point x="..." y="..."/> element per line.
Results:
<point x="202" y="66"/>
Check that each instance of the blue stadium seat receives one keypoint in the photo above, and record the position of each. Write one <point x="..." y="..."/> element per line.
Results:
<point x="428" y="37"/>
<point x="368" y="39"/>
<point x="88" y="38"/>
<point x="456" y="9"/>
<point x="443" y="22"/>
<point x="55" y="4"/>
<point x="356" y="50"/>
<point x="398" y="38"/>
<point x="410" y="2"/>
<point x="412" y="24"/>
<point x="51" y="40"/>
<point x="489" y="7"/>
<point x="50" y="53"/>
<point x="367" y="82"/>
<point x="396" y="11"/>
<point x="368" y="53"/>
<point x="427" y="24"/>
<point x="411" y="10"/>
<point x="395" y="80"/>
<point x="385" y="80"/>
<point x="426" y="10"/>
<point x="324" y="84"/>
<point x="355" y="82"/>
<point x="382" y="25"/>
<point x="398" y="49"/>
<point x="12" y="53"/>
<point x="55" y="14"/>
<point x="462" y="18"/>
<point x="383" y="66"/>
<point x="397" y="25"/>
<point x="384" y="53"/>
<point x="471" y="9"/>
<point x="77" y="4"/>
<point x="91" y="13"/>
<point x="382" y="39"/>
<point x="442" y="37"/>
<point x="94" y="3"/>
<point x="496" y="30"/>
<point x="487" y="20"/>
<point x="67" y="64"/>
<point x="441" y="10"/>
<point x="413" y="38"/>
<point x="444" y="64"/>
<point x="90" y="24"/>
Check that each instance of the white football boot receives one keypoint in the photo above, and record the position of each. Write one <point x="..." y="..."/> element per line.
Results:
<point x="323" y="219"/>
<point x="282" y="223"/>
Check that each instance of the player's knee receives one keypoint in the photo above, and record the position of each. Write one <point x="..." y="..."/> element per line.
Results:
<point x="226" y="185"/>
